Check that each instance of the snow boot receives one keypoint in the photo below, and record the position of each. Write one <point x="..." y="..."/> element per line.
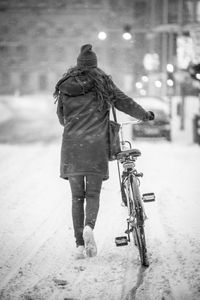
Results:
<point x="90" y="245"/>
<point x="80" y="252"/>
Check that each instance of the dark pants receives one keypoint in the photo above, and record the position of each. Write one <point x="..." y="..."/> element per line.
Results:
<point x="84" y="187"/>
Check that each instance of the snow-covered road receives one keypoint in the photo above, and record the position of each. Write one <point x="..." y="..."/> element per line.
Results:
<point x="36" y="238"/>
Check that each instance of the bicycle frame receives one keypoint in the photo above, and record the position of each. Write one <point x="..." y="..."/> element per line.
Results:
<point x="130" y="179"/>
<point x="134" y="200"/>
<point x="129" y="183"/>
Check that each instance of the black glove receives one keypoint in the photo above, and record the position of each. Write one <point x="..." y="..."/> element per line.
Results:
<point x="150" y="115"/>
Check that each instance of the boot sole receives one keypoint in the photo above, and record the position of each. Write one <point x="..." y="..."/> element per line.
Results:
<point x="90" y="245"/>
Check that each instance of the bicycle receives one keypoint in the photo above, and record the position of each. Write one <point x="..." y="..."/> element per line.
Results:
<point x="131" y="197"/>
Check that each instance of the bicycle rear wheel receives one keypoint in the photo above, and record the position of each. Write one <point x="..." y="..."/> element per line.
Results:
<point x="139" y="239"/>
<point x="138" y="229"/>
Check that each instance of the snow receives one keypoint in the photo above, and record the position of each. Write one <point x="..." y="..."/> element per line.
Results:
<point x="37" y="245"/>
<point x="184" y="133"/>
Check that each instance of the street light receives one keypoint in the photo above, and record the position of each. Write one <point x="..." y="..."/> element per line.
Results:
<point x="102" y="35"/>
<point x="127" y="35"/>
<point x="170" y="75"/>
<point x="198" y="76"/>
<point x="138" y="85"/>
<point x="145" y="78"/>
<point x="170" y="82"/>
<point x="158" y="83"/>
<point x="143" y="92"/>
<point x="194" y="71"/>
<point x="170" y="68"/>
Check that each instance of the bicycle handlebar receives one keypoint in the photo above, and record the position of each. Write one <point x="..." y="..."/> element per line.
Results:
<point x="133" y="122"/>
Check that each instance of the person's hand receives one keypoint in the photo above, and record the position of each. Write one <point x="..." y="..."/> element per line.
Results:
<point x="150" y="115"/>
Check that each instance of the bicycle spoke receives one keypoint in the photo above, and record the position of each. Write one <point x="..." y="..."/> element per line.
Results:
<point x="138" y="230"/>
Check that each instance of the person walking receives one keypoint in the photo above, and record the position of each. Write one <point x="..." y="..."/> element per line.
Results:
<point x="84" y="96"/>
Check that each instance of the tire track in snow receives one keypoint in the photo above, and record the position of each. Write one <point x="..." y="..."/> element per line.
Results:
<point x="140" y="279"/>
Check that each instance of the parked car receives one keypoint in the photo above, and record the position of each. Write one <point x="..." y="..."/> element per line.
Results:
<point x="160" y="127"/>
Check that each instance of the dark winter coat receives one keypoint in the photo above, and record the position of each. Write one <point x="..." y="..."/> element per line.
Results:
<point x="85" y="138"/>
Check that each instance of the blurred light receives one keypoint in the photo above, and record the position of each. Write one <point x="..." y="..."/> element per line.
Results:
<point x="198" y="76"/>
<point x="127" y="36"/>
<point x="138" y="85"/>
<point x="143" y="92"/>
<point x="185" y="51"/>
<point x="170" y="82"/>
<point x="102" y="35"/>
<point x="145" y="78"/>
<point x="127" y="32"/>
<point x="170" y="68"/>
<point x="194" y="71"/>
<point x="151" y="61"/>
<point x="158" y="83"/>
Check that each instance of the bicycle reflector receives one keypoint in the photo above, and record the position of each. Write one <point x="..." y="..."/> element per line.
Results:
<point x="121" y="241"/>
<point x="148" y="197"/>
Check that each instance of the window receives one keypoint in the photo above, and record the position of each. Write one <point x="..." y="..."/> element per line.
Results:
<point x="198" y="11"/>
<point x="21" y="52"/>
<point x="5" y="52"/>
<point x="41" y="53"/>
<point x="60" y="52"/>
<point x="3" y="5"/>
<point x="114" y="4"/>
<point x="60" y="30"/>
<point x="24" y="79"/>
<point x="43" y="82"/>
<point x="4" y="49"/>
<point x="128" y="4"/>
<point x="141" y="12"/>
<point x="40" y="32"/>
<point x="4" y="29"/>
<point x="172" y="11"/>
<point x="80" y="1"/>
<point x="94" y="2"/>
<point x="190" y="10"/>
<point x="4" y="80"/>
<point x="140" y="8"/>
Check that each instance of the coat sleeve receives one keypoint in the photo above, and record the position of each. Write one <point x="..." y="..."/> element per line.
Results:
<point x="59" y="111"/>
<point x="127" y="105"/>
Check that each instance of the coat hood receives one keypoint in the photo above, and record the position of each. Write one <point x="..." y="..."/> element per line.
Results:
<point x="76" y="85"/>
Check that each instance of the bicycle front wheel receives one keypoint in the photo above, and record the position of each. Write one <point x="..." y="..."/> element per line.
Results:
<point x="138" y="228"/>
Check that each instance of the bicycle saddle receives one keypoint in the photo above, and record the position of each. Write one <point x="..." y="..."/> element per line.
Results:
<point x="131" y="152"/>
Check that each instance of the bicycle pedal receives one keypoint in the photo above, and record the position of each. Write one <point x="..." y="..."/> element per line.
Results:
<point x="121" y="241"/>
<point x="148" y="197"/>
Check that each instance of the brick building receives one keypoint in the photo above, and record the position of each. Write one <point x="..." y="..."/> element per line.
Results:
<point x="40" y="39"/>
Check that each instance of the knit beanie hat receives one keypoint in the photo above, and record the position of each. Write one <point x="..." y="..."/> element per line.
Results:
<point x="87" y="58"/>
